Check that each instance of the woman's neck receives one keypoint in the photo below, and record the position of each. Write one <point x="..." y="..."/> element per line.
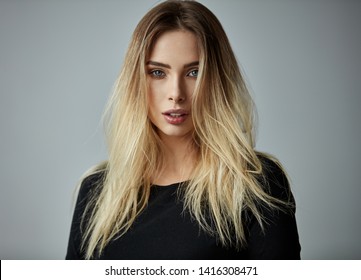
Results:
<point x="179" y="158"/>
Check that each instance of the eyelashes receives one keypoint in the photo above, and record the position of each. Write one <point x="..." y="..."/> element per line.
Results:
<point x="193" y="73"/>
<point x="156" y="73"/>
<point x="160" y="74"/>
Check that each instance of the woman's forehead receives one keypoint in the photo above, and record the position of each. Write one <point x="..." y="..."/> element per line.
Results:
<point x="179" y="47"/>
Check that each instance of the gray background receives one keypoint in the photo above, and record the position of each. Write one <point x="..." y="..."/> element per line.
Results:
<point x="59" y="59"/>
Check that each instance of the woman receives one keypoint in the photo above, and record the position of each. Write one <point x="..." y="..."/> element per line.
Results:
<point x="183" y="180"/>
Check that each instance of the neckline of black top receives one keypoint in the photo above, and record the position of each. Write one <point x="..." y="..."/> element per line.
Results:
<point x="168" y="186"/>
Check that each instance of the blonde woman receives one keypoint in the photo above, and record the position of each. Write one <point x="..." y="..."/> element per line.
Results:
<point x="183" y="180"/>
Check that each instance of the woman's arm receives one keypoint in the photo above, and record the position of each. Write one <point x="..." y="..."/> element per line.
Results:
<point x="279" y="238"/>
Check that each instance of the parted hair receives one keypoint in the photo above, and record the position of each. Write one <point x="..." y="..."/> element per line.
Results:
<point x="226" y="179"/>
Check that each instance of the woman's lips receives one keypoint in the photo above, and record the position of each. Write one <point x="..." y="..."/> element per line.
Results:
<point x="175" y="116"/>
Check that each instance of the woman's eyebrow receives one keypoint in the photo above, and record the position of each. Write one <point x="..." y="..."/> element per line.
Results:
<point x="195" y="63"/>
<point x="150" y="62"/>
<point x="155" y="63"/>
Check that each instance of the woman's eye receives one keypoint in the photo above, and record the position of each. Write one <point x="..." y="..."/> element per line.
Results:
<point x="157" y="73"/>
<point x="193" y="73"/>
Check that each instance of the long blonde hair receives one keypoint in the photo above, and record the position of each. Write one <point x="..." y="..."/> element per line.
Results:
<point x="226" y="179"/>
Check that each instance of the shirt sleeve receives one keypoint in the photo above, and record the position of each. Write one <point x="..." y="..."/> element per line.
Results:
<point x="88" y="186"/>
<point x="278" y="240"/>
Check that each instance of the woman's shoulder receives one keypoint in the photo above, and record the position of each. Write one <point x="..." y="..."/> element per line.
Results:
<point x="91" y="182"/>
<point x="274" y="178"/>
<point x="277" y="237"/>
<point x="90" y="185"/>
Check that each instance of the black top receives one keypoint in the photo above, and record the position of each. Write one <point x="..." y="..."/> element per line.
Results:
<point x="164" y="230"/>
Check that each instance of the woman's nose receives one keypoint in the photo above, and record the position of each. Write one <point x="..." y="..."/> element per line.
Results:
<point x="176" y="92"/>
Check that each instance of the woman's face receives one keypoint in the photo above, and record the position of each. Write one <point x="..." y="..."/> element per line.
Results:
<point x="172" y="70"/>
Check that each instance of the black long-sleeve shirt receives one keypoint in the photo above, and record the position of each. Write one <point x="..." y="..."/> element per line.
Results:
<point x="164" y="230"/>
